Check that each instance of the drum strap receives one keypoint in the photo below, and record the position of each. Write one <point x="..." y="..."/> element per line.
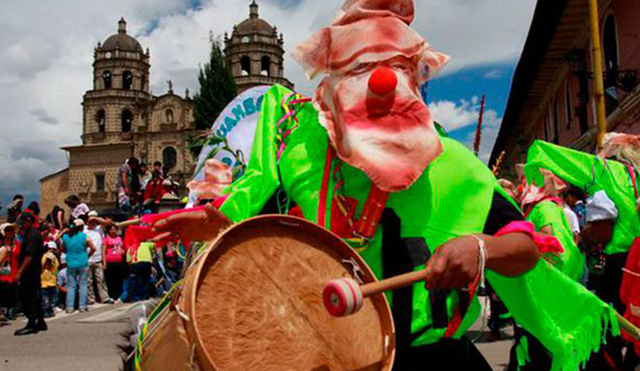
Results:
<point x="365" y="227"/>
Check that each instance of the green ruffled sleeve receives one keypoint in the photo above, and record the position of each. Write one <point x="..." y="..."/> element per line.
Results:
<point x="249" y="194"/>
<point x="592" y="174"/>
<point x="572" y="166"/>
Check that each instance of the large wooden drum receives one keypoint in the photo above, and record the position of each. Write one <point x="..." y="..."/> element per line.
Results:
<point x="253" y="301"/>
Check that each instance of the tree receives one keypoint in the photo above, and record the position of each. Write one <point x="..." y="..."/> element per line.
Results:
<point x="217" y="87"/>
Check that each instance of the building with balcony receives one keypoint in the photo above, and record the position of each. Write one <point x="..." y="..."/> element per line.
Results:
<point x="552" y="93"/>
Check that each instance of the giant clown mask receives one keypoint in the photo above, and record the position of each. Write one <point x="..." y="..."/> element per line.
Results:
<point x="369" y="101"/>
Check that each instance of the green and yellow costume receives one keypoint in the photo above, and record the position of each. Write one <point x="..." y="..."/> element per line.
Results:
<point x="451" y="199"/>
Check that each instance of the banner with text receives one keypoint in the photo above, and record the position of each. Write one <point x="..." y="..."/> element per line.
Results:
<point x="232" y="136"/>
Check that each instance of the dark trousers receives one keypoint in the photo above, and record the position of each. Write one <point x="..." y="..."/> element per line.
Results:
<point x="49" y="300"/>
<point x="8" y="299"/>
<point x="607" y="288"/>
<point x="447" y="354"/>
<point x="539" y="357"/>
<point x="30" y="295"/>
<point x="141" y="281"/>
<point x="62" y="300"/>
<point x="114" y="277"/>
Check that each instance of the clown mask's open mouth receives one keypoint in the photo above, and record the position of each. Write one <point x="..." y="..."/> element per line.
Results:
<point x="392" y="160"/>
<point x="393" y="149"/>
<point x="401" y="116"/>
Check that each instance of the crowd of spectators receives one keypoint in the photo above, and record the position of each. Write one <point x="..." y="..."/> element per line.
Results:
<point x="141" y="189"/>
<point x="67" y="263"/>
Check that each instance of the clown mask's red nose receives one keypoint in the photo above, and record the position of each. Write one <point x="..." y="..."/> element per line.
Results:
<point x="383" y="81"/>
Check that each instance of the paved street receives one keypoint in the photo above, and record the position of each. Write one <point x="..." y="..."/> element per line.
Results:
<point x="76" y="342"/>
<point x="496" y="353"/>
<point x="88" y="342"/>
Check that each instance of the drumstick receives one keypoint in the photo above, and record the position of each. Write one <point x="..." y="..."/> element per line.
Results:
<point x="345" y="296"/>
<point x="628" y="327"/>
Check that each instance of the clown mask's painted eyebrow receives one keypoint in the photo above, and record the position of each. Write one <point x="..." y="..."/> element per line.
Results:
<point x="399" y="63"/>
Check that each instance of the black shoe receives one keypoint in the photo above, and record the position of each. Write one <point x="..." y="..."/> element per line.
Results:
<point x="42" y="325"/>
<point x="27" y="330"/>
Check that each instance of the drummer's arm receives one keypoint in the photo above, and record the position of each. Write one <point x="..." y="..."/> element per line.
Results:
<point x="511" y="255"/>
<point x="456" y="263"/>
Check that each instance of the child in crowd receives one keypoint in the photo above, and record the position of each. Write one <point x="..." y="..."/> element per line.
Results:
<point x="143" y="262"/>
<point x="62" y="284"/>
<point x="116" y="270"/>
<point x="49" y="279"/>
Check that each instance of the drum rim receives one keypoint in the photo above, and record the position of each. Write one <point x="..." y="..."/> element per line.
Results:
<point x="325" y="235"/>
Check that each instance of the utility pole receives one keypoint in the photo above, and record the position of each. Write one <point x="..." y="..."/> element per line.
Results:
<point x="598" y="71"/>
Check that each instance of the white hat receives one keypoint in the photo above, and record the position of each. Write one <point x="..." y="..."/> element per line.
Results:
<point x="78" y="223"/>
<point x="4" y="226"/>
<point x="92" y="214"/>
<point x="600" y="207"/>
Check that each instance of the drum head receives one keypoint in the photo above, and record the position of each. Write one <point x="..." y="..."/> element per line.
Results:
<point x="258" y="302"/>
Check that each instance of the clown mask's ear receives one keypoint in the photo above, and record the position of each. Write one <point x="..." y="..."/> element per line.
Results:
<point x="430" y="64"/>
<point x="314" y="53"/>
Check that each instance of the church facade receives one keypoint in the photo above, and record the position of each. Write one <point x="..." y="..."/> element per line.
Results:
<point x="121" y="118"/>
<point x="255" y="53"/>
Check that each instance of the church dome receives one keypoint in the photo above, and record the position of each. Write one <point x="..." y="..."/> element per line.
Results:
<point x="121" y="40"/>
<point x="254" y="24"/>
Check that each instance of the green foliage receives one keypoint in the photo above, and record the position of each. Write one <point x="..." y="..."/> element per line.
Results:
<point x="217" y="87"/>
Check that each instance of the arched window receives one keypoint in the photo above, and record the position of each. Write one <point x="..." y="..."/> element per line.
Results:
<point x="127" y="121"/>
<point x="127" y="80"/>
<point x="245" y="64"/>
<point x="169" y="157"/>
<point x="169" y="115"/>
<point x="610" y="42"/>
<point x="610" y="45"/>
<point x="106" y="79"/>
<point x="101" y="121"/>
<point x="265" y="69"/>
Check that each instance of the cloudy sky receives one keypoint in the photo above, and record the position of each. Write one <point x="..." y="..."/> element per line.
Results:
<point x="46" y="54"/>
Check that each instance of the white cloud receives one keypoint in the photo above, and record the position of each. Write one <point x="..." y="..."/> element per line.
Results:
<point x="493" y="75"/>
<point x="453" y="116"/>
<point x="46" y="52"/>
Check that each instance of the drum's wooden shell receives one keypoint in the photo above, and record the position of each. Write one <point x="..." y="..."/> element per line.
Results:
<point x="254" y="302"/>
<point x="166" y="345"/>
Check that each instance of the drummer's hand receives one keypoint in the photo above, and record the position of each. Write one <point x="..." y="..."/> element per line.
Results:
<point x="201" y="225"/>
<point x="454" y="265"/>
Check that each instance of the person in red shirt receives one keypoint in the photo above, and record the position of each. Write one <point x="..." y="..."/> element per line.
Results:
<point x="155" y="190"/>
<point x="9" y="265"/>
<point x="34" y="209"/>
